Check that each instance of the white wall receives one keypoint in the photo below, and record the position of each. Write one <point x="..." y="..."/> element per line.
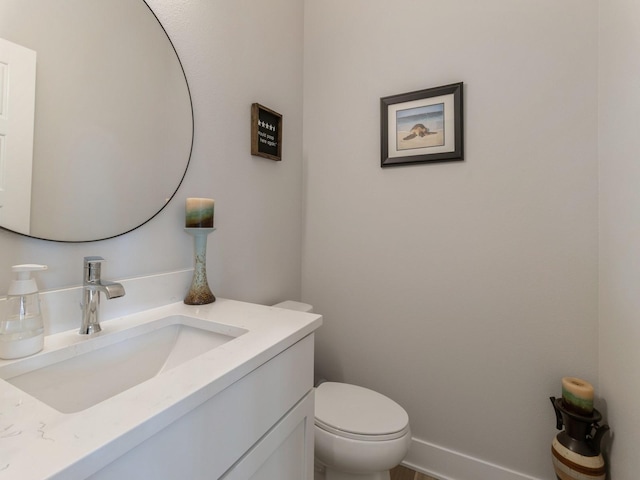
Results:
<point x="464" y="290"/>
<point x="619" y="143"/>
<point x="234" y="54"/>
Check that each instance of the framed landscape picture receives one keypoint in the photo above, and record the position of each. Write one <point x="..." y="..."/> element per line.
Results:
<point x="422" y="126"/>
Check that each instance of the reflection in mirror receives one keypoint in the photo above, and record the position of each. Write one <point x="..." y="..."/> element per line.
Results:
<point x="113" y="124"/>
<point x="17" y="98"/>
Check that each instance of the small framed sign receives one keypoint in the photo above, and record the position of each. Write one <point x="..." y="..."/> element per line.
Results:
<point x="266" y="132"/>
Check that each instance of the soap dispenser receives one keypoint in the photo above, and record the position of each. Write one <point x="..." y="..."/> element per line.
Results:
<point x="22" y="329"/>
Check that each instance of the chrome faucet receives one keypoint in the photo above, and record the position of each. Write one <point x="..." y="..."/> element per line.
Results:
<point x="92" y="285"/>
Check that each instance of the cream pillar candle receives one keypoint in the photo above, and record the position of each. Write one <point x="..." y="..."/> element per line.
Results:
<point x="577" y="395"/>
<point x="199" y="213"/>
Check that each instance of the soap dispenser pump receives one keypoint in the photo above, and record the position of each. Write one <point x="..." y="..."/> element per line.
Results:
<point x="22" y="329"/>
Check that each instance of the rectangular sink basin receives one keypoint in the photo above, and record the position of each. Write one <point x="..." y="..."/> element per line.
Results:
<point x="86" y="373"/>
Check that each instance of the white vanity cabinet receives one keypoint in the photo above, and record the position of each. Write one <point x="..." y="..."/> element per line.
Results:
<point x="242" y="410"/>
<point x="260" y="427"/>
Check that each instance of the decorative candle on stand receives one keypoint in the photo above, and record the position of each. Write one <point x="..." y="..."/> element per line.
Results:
<point x="577" y="395"/>
<point x="576" y="451"/>
<point x="199" y="213"/>
<point x="199" y="224"/>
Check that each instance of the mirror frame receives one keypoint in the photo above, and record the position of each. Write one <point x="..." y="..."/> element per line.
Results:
<point x="186" y="168"/>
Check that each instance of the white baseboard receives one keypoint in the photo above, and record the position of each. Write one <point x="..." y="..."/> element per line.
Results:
<point x="445" y="464"/>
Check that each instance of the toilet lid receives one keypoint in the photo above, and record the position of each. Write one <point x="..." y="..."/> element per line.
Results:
<point x="350" y="410"/>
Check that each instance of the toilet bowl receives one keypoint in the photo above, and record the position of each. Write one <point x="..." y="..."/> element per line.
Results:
<point x="359" y="434"/>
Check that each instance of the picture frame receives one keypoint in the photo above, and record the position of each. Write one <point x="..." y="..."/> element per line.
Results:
<point x="422" y="126"/>
<point x="266" y="132"/>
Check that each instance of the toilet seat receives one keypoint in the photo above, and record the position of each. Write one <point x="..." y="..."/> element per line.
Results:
<point x="358" y="413"/>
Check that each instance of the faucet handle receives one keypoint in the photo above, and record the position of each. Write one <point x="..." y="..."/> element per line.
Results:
<point x="92" y="268"/>
<point x="93" y="259"/>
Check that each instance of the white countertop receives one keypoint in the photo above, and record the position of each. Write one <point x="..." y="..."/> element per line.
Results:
<point x="38" y="442"/>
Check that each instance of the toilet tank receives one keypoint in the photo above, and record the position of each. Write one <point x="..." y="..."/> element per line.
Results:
<point x="301" y="307"/>
<point x="298" y="306"/>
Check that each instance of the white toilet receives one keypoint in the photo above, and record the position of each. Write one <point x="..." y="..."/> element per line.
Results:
<point x="359" y="434"/>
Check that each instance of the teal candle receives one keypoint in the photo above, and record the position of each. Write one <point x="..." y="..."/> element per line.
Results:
<point x="199" y="213"/>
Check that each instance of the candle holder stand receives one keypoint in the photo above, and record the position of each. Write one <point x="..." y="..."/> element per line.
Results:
<point x="199" y="292"/>
<point x="576" y="449"/>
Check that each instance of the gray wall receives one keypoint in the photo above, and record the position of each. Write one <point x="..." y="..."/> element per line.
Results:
<point x="465" y="290"/>
<point x="619" y="103"/>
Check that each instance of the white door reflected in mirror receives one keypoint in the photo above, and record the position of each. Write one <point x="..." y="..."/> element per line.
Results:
<point x="17" y="106"/>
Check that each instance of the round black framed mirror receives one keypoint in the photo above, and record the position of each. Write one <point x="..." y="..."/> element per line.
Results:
<point x="111" y="119"/>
